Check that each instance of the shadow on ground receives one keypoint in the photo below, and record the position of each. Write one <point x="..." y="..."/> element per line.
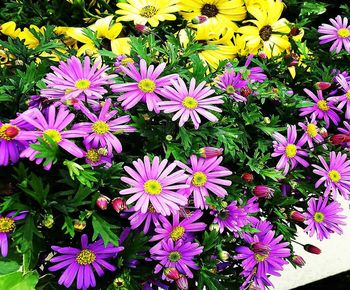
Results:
<point x="336" y="282"/>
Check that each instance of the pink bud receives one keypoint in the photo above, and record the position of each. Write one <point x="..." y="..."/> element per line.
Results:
<point x="263" y="191"/>
<point x="324" y="132"/>
<point x="262" y="55"/>
<point x="297" y="216"/>
<point x="172" y="273"/>
<point x="260" y="248"/>
<point x="247" y="177"/>
<point x="322" y="85"/>
<point x="102" y="202"/>
<point x="199" y="19"/>
<point x="312" y="249"/>
<point x="209" y="152"/>
<point x="182" y="283"/>
<point x="298" y="260"/>
<point x="142" y="28"/>
<point x="339" y="139"/>
<point x="11" y="132"/>
<point x="119" y="204"/>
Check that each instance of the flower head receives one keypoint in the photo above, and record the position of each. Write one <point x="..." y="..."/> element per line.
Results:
<point x="344" y="98"/>
<point x="311" y="133"/>
<point x="231" y="83"/>
<point x="151" y="218"/>
<point x="81" y="263"/>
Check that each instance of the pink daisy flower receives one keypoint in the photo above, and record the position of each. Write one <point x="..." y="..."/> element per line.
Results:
<point x="191" y="102"/>
<point x="323" y="109"/>
<point x="289" y="150"/>
<point x="344" y="99"/>
<point x="231" y="83"/>
<point x="153" y="183"/>
<point x="205" y="176"/>
<point x="147" y="87"/>
<point x="335" y="176"/>
<point x="150" y="218"/>
<point x="339" y="33"/>
<point x="311" y="133"/>
<point x="102" y="129"/>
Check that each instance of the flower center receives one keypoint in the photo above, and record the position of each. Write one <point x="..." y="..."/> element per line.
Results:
<point x="53" y="134"/>
<point x="261" y="257"/>
<point x="223" y="215"/>
<point x="318" y="217"/>
<point x="174" y="256"/>
<point x="8" y="131"/>
<point x="348" y="94"/>
<point x="82" y="84"/>
<point x="230" y="89"/>
<point x="322" y="105"/>
<point x="265" y="32"/>
<point x="199" y="179"/>
<point x="190" y="103"/>
<point x="7" y="224"/>
<point x="152" y="187"/>
<point x="291" y="150"/>
<point x="311" y="130"/>
<point x="85" y="257"/>
<point x="93" y="155"/>
<point x="209" y="10"/>
<point x="100" y="127"/>
<point x="126" y="60"/>
<point x="147" y="85"/>
<point x="343" y="32"/>
<point x="148" y="11"/>
<point x="177" y="233"/>
<point x="334" y="175"/>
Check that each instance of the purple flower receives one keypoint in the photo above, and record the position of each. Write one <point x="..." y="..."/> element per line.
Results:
<point x="323" y="218"/>
<point x="102" y="129"/>
<point x="322" y="109"/>
<point x="147" y="87"/>
<point x="335" y="176"/>
<point x="153" y="183"/>
<point x="74" y="79"/>
<point x="256" y="73"/>
<point x="343" y="99"/>
<point x="191" y="102"/>
<point x="7" y="225"/>
<point x="178" y="255"/>
<point x="151" y="217"/>
<point x="53" y="125"/>
<point x="311" y="133"/>
<point x="122" y="60"/>
<point x="96" y="156"/>
<point x="81" y="263"/>
<point x="339" y="33"/>
<point x="289" y="150"/>
<point x="345" y="130"/>
<point x="205" y="176"/>
<point x="231" y="83"/>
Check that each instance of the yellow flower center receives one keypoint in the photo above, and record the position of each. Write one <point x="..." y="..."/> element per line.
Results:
<point x="100" y="127"/>
<point x="82" y="84"/>
<point x="67" y="91"/>
<point x="318" y="217"/>
<point x="177" y="233"/>
<point x="126" y="60"/>
<point x="8" y="131"/>
<point x="209" y="10"/>
<point x="152" y="187"/>
<point x="261" y="257"/>
<point x="7" y="225"/>
<point x="230" y="89"/>
<point x="190" y="103"/>
<point x="291" y="150"/>
<point x="311" y="130"/>
<point x="53" y="134"/>
<point x="174" y="256"/>
<point x="85" y="257"/>
<point x="334" y="175"/>
<point x="343" y="32"/>
<point x="199" y="179"/>
<point x="93" y="155"/>
<point x="147" y="85"/>
<point x="148" y="11"/>
<point x="348" y="94"/>
<point x="322" y="105"/>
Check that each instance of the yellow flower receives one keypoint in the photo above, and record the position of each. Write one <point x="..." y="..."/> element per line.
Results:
<point x="151" y="11"/>
<point x="256" y="4"/>
<point x="303" y="53"/>
<point x="266" y="34"/>
<point x="9" y="29"/>
<point x="29" y="39"/>
<point x="220" y="13"/>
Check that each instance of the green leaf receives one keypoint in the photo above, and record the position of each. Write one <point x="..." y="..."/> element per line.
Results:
<point x="210" y="240"/>
<point x="18" y="281"/>
<point x="8" y="267"/>
<point x="68" y="225"/>
<point x="105" y="230"/>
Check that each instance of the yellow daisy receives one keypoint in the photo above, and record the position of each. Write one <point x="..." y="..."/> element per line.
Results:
<point x="267" y="34"/>
<point x="9" y="29"/>
<point x="29" y="39"/>
<point x="257" y="4"/>
<point x="151" y="11"/>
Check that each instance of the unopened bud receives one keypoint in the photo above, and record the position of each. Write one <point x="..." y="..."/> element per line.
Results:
<point x="102" y="202"/>
<point x="298" y="260"/>
<point x="102" y="151"/>
<point x="297" y="216"/>
<point x="209" y="152"/>
<point x="182" y="283"/>
<point x="214" y="227"/>
<point x="263" y="191"/>
<point x="224" y="255"/>
<point x="79" y="225"/>
<point x="312" y="249"/>
<point x="246" y="91"/>
<point x="168" y="138"/>
<point x="262" y="55"/>
<point x="324" y="132"/>
<point x="339" y="139"/>
<point x="119" y="204"/>
<point x="199" y="19"/>
<point x="119" y="282"/>
<point x="247" y="177"/>
<point x="322" y="85"/>
<point x="48" y="221"/>
<point x="172" y="273"/>
<point x="294" y="31"/>
<point x="143" y="28"/>
<point x="267" y="120"/>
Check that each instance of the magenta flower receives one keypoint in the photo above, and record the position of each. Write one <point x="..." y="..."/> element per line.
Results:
<point x="74" y="79"/>
<point x="191" y="102"/>
<point x="102" y="129"/>
<point x="345" y="130"/>
<point x="151" y="218"/>
<point x="323" y="219"/>
<point x="339" y="33"/>
<point x="231" y="83"/>
<point x="311" y="133"/>
<point x="96" y="156"/>
<point x="7" y="225"/>
<point x="335" y="176"/>
<point x="81" y="263"/>
<point x="323" y="109"/>
<point x="153" y="183"/>
<point x="343" y="99"/>
<point x="289" y="150"/>
<point x="205" y="176"/>
<point x="147" y="87"/>
<point x="52" y="125"/>
<point x="256" y="73"/>
<point x="177" y="255"/>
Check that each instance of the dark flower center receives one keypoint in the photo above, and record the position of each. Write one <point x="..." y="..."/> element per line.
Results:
<point x="148" y="11"/>
<point x="265" y="32"/>
<point x="209" y="10"/>
<point x="223" y="215"/>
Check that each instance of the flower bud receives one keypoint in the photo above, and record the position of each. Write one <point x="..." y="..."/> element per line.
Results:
<point x="102" y="202"/>
<point x="260" y="248"/>
<point x="322" y="85"/>
<point x="247" y="177"/>
<point x="172" y="273"/>
<point x="11" y="131"/>
<point x="119" y="204"/>
<point x="262" y="55"/>
<point x="312" y="249"/>
<point x="294" y="31"/>
<point x="168" y="138"/>
<point x="182" y="283"/>
<point x="48" y="221"/>
<point x="79" y="225"/>
<point x="263" y="191"/>
<point x="297" y="216"/>
<point x="142" y="28"/>
<point x="209" y="152"/>
<point x="199" y="19"/>
<point x="324" y="132"/>
<point x="267" y="120"/>
<point x="214" y="227"/>
<point x="224" y="255"/>
<point x="119" y="282"/>
<point x="246" y="91"/>
<point x="102" y="151"/>
<point x="339" y="139"/>
<point x="298" y="260"/>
